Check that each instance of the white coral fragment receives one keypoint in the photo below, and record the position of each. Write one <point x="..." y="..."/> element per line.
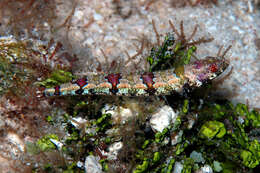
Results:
<point x="163" y="118"/>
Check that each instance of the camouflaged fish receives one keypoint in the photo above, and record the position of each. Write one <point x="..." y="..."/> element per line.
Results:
<point x="145" y="84"/>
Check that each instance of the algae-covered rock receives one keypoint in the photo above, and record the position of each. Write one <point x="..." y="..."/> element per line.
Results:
<point x="249" y="159"/>
<point x="254" y="117"/>
<point x="212" y="129"/>
<point x="45" y="142"/>
<point x="92" y="165"/>
<point x="197" y="157"/>
<point x="142" y="168"/>
<point x="57" y="77"/>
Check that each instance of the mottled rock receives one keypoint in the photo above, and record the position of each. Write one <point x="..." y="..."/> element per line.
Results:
<point x="205" y="169"/>
<point x="177" y="167"/>
<point x="92" y="165"/>
<point x="197" y="157"/>
<point x="78" y="122"/>
<point x="217" y="166"/>
<point x="176" y="138"/>
<point x="114" y="149"/>
<point x="163" y="118"/>
<point x="16" y="140"/>
<point x="121" y="114"/>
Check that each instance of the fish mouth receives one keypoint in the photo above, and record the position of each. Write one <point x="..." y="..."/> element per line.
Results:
<point x="225" y="73"/>
<point x="225" y="66"/>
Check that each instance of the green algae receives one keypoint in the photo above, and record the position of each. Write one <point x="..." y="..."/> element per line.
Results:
<point x="170" y="55"/>
<point x="143" y="167"/>
<point x="156" y="157"/>
<point x="104" y="164"/>
<point x="212" y="129"/>
<point x="185" y="106"/>
<point x="72" y="167"/>
<point x="56" y="78"/>
<point x="32" y="148"/>
<point x="254" y="119"/>
<point x="251" y="157"/>
<point x="168" y="167"/>
<point x="160" y="55"/>
<point x="145" y="144"/>
<point x="160" y="136"/>
<point x="188" y="165"/>
<point x="45" y="144"/>
<point x="104" y="122"/>
<point x="48" y="167"/>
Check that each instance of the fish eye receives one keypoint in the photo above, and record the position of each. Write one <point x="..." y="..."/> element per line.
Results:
<point x="213" y="68"/>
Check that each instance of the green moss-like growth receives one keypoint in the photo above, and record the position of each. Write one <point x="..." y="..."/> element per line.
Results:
<point x="56" y="78"/>
<point x="159" y="136"/>
<point x="235" y="143"/>
<point x="170" y="55"/>
<point x="188" y="165"/>
<point x="142" y="168"/>
<point x="156" y="157"/>
<point x="103" y="122"/>
<point x="185" y="106"/>
<point x="160" y="55"/>
<point x="212" y="129"/>
<point x="45" y="143"/>
<point x="251" y="157"/>
<point x="168" y="168"/>
<point x="252" y="118"/>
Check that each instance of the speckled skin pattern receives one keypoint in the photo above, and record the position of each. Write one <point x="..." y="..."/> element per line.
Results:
<point x="145" y="84"/>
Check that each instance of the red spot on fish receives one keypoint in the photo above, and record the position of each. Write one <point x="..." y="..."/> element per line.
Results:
<point x="81" y="82"/>
<point x="114" y="80"/>
<point x="213" y="68"/>
<point x="57" y="90"/>
<point x="147" y="78"/>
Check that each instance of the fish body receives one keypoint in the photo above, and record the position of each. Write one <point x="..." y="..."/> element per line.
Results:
<point x="145" y="84"/>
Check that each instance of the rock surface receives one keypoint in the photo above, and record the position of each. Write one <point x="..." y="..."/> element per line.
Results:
<point x="92" y="165"/>
<point x="163" y="118"/>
